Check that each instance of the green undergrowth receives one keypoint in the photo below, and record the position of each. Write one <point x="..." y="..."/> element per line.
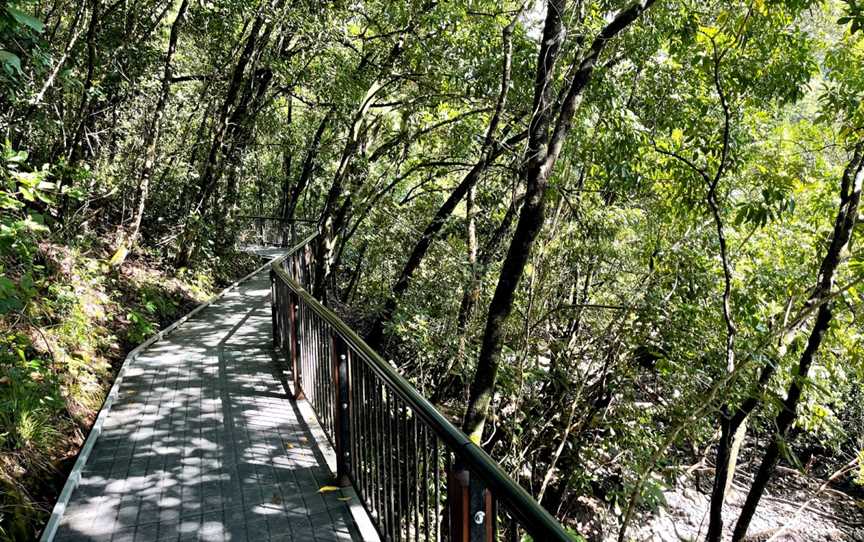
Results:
<point x="67" y="320"/>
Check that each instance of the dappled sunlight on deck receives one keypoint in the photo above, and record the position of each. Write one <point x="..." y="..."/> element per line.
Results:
<point x="203" y="443"/>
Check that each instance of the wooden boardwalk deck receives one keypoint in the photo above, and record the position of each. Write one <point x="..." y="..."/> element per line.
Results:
<point x="204" y="443"/>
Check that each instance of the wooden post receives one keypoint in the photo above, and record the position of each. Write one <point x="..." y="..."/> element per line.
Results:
<point x="294" y="346"/>
<point x="342" y="409"/>
<point x="472" y="508"/>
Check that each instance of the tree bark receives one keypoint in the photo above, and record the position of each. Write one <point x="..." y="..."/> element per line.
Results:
<point x="489" y="152"/>
<point x="326" y="245"/>
<point x="151" y="135"/>
<point x="490" y="248"/>
<point x="308" y="169"/>
<point x="542" y="153"/>
<point x="844" y="223"/>
<point x="211" y="171"/>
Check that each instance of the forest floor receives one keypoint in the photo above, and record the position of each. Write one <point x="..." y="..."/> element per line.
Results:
<point x="795" y="508"/>
<point x="57" y="364"/>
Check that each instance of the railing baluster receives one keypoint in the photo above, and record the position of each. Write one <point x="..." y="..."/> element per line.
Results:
<point x="425" y="450"/>
<point x="418" y="483"/>
<point x="293" y="349"/>
<point x="398" y="451"/>
<point x="388" y="492"/>
<point x="374" y="388"/>
<point x="275" y="306"/>
<point x="341" y="408"/>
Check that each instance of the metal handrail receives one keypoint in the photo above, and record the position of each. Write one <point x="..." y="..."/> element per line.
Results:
<point x="277" y="219"/>
<point x="470" y="457"/>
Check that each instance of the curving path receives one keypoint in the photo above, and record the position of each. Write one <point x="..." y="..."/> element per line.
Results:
<point x="203" y="443"/>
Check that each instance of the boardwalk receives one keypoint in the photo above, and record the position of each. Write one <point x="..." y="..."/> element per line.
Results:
<point x="203" y="443"/>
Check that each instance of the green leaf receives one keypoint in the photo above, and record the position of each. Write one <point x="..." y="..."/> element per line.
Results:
<point x="11" y="62"/>
<point x="26" y="20"/>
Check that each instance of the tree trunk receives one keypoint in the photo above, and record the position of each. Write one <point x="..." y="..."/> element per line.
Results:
<point x="152" y="133"/>
<point x="530" y="221"/>
<point x="473" y="289"/>
<point x="844" y="223"/>
<point x="489" y="152"/>
<point x="542" y="153"/>
<point x="287" y="165"/>
<point x="308" y="169"/>
<point x="422" y="246"/>
<point x="211" y="169"/>
<point x="326" y="245"/>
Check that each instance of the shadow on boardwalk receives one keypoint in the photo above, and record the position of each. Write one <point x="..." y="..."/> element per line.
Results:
<point x="203" y="443"/>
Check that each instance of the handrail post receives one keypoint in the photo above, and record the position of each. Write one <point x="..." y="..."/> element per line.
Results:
<point x="274" y="309"/>
<point x="339" y="353"/>
<point x="293" y="346"/>
<point x="472" y="508"/>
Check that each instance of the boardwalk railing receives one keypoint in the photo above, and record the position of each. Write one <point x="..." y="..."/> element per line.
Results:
<point x="269" y="231"/>
<point x="418" y="476"/>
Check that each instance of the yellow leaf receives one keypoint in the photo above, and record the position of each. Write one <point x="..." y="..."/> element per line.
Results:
<point x="119" y="257"/>
<point x="343" y="499"/>
<point x="327" y="489"/>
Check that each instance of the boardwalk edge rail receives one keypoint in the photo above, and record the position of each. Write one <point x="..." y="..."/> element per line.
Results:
<point x="471" y="507"/>
<point x="84" y="453"/>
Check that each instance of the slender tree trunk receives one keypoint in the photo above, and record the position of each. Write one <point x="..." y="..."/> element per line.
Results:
<point x="308" y="169"/>
<point x="844" y="223"/>
<point x="211" y="172"/>
<point x="484" y="259"/>
<point x="73" y="150"/>
<point x="75" y="33"/>
<point x="489" y="152"/>
<point x="287" y="165"/>
<point x="240" y="133"/>
<point x="530" y="222"/>
<point x="326" y="246"/>
<point x="376" y="334"/>
<point x="542" y="153"/>
<point x="151" y="135"/>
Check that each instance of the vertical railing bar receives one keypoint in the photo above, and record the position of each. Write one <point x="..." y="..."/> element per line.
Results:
<point x="364" y="419"/>
<point x="391" y="489"/>
<point x="329" y="382"/>
<point x="380" y="437"/>
<point x="410" y="482"/>
<point x="373" y="451"/>
<point x="417" y="482"/>
<point x="310" y="357"/>
<point x="404" y="499"/>
<point x="385" y="439"/>
<point x="308" y="377"/>
<point x="329" y="385"/>
<point x="437" y="476"/>
<point x="377" y="447"/>
<point x="316" y="340"/>
<point x="395" y="454"/>
<point x="340" y="404"/>
<point x="323" y="359"/>
<point x="385" y="460"/>
<point x="425" y="449"/>
<point x="310" y="360"/>
<point x="353" y="378"/>
<point x="333" y="393"/>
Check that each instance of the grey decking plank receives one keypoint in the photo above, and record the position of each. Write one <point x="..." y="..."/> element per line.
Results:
<point x="203" y="443"/>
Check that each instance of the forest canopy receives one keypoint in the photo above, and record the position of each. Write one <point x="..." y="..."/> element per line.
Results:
<point x="616" y="241"/>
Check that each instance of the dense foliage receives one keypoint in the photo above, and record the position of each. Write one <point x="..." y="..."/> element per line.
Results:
<point x="611" y="238"/>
